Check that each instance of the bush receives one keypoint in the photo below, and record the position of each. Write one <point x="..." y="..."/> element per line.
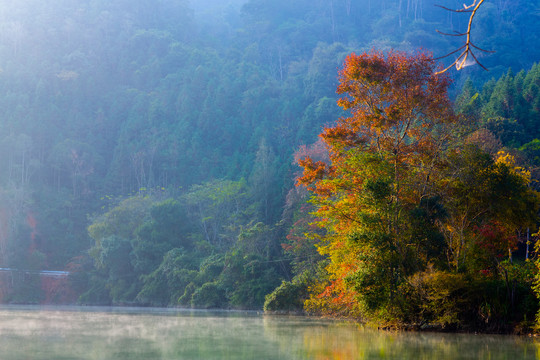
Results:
<point x="436" y="296"/>
<point x="185" y="299"/>
<point x="209" y="296"/>
<point x="483" y="303"/>
<point x="287" y="297"/>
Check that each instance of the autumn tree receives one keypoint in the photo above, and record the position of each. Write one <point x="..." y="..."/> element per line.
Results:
<point x="414" y="218"/>
<point x="379" y="181"/>
<point x="488" y="202"/>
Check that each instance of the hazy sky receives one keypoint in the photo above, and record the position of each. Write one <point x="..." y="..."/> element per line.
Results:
<point x="202" y="5"/>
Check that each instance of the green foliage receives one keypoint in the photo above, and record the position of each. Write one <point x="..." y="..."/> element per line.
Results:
<point x="114" y="260"/>
<point x="216" y="205"/>
<point x="248" y="280"/>
<point x="132" y="239"/>
<point x="97" y="292"/>
<point x="507" y="107"/>
<point x="185" y="299"/>
<point x="122" y="220"/>
<point x="438" y="296"/>
<point x="209" y="296"/>
<point x="263" y="182"/>
<point x="532" y="151"/>
<point x="24" y="289"/>
<point x="457" y="301"/>
<point x="163" y="265"/>
<point x="209" y="269"/>
<point x="287" y="297"/>
<point x="166" y="284"/>
<point x="468" y="102"/>
<point x="167" y="228"/>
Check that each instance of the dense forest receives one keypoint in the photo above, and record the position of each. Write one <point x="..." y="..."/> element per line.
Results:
<point x="165" y="153"/>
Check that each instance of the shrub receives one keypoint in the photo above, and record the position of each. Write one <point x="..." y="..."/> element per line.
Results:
<point x="209" y="296"/>
<point x="287" y="297"/>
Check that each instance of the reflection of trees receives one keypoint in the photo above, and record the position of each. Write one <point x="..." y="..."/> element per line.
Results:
<point x="314" y="339"/>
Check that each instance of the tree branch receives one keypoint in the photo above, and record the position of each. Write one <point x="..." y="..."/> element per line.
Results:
<point x="462" y="59"/>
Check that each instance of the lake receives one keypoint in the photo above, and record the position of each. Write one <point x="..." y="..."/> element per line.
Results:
<point x="28" y="332"/>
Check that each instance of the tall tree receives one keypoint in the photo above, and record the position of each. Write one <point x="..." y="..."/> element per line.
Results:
<point x="380" y="179"/>
<point x="263" y="181"/>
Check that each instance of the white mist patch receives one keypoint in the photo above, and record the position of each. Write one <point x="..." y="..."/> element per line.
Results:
<point x="162" y="334"/>
<point x="463" y="63"/>
<point x="136" y="334"/>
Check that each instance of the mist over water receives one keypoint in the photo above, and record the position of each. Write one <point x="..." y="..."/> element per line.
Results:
<point x="127" y="333"/>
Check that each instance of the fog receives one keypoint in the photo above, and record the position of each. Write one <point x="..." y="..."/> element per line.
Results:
<point x="120" y="333"/>
<point x="203" y="6"/>
<point x="147" y="147"/>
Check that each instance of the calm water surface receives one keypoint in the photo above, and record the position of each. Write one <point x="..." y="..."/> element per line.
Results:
<point x="136" y="334"/>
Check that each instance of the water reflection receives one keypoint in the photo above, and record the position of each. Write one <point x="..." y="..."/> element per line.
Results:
<point x="122" y="333"/>
<point x="350" y="341"/>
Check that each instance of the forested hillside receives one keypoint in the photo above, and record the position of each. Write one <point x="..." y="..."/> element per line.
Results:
<point x="148" y="147"/>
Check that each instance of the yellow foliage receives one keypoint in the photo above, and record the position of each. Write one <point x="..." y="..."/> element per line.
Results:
<point x="509" y="160"/>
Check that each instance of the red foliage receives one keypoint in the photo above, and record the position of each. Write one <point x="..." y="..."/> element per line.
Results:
<point x="56" y="290"/>
<point x="496" y="240"/>
<point x="32" y="222"/>
<point x="486" y="272"/>
<point x="394" y="100"/>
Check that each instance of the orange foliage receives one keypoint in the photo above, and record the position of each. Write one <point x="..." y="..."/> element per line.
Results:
<point x="395" y="101"/>
<point x="392" y="137"/>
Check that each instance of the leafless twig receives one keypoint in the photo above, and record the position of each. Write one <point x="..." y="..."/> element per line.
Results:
<point x="467" y="48"/>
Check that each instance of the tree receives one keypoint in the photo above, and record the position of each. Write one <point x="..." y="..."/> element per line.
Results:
<point x="215" y="205"/>
<point x="484" y="196"/>
<point x="113" y="233"/>
<point x="397" y="106"/>
<point x="380" y="178"/>
<point x="121" y="221"/>
<point x="167" y="229"/>
<point x="263" y="181"/>
<point x="75" y="160"/>
<point x="167" y="283"/>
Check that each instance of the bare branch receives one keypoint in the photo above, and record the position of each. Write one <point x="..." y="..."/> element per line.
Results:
<point x="465" y="10"/>
<point x="447" y="55"/>
<point x="447" y="34"/>
<point x="462" y="59"/>
<point x="478" y="62"/>
<point x="477" y="48"/>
